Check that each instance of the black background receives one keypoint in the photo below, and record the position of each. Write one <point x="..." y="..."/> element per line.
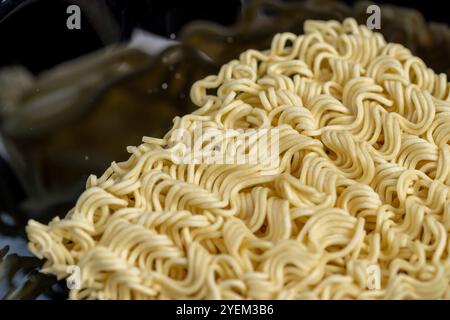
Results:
<point x="35" y="34"/>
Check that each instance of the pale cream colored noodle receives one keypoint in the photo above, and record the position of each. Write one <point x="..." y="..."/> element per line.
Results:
<point x="363" y="180"/>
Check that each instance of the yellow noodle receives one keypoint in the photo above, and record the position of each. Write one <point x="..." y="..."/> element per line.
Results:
<point x="363" y="179"/>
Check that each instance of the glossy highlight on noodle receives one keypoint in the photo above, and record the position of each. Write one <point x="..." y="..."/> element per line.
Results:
<point x="363" y="180"/>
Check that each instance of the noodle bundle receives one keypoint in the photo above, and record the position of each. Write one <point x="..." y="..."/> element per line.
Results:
<point x="361" y="183"/>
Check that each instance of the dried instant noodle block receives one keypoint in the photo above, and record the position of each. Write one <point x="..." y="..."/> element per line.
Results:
<point x="358" y="206"/>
